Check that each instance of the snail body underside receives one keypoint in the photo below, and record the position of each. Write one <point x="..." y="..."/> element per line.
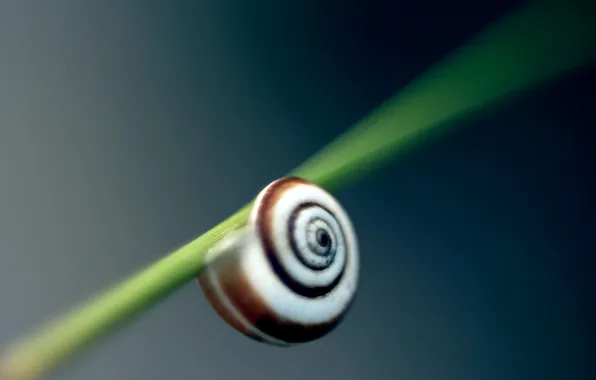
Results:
<point x="291" y="274"/>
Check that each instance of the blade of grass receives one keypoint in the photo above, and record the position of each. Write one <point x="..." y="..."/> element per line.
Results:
<point x="539" y="41"/>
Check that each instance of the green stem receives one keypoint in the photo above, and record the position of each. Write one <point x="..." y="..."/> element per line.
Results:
<point x="539" y="41"/>
<point x="65" y="336"/>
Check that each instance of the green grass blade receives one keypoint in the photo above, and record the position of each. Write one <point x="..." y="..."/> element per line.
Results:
<point x="537" y="42"/>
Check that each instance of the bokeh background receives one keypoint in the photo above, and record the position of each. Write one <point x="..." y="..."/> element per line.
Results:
<point x="128" y="128"/>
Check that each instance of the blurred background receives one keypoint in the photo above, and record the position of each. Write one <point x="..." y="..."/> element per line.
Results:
<point x="128" y="128"/>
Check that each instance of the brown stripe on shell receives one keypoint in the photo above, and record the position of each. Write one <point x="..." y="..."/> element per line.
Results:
<point x="292" y="225"/>
<point x="249" y="303"/>
<point x="300" y="333"/>
<point x="264" y="222"/>
<point x="306" y="291"/>
<point x="214" y="299"/>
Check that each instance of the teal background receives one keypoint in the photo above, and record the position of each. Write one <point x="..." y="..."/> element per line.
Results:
<point x="128" y="128"/>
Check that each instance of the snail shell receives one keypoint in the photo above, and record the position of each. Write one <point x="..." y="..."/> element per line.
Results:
<point x="291" y="274"/>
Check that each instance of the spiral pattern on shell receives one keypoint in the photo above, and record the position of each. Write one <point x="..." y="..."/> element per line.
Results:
<point x="291" y="274"/>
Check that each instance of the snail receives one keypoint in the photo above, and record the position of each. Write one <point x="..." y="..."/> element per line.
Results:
<point x="290" y="275"/>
